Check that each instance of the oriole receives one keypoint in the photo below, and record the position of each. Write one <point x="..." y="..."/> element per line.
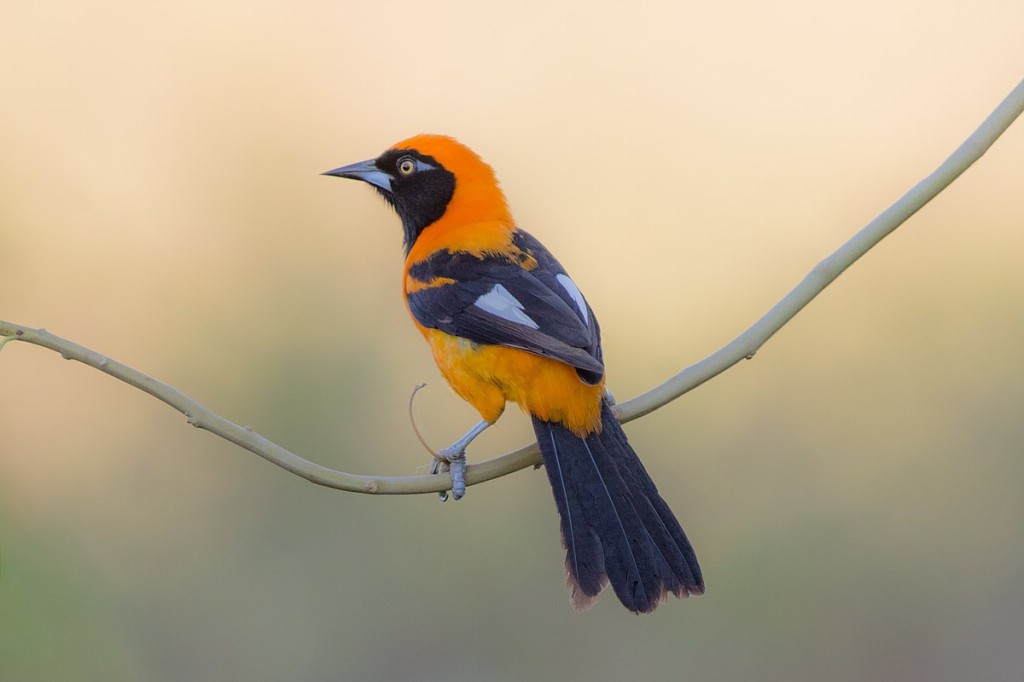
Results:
<point x="506" y="323"/>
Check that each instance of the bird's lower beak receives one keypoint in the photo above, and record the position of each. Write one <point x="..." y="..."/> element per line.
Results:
<point x="365" y="171"/>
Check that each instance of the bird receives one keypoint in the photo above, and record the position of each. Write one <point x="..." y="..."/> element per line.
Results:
<point x="506" y="323"/>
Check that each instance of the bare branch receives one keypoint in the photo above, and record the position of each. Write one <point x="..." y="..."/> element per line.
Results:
<point x="743" y="346"/>
<point x="749" y="342"/>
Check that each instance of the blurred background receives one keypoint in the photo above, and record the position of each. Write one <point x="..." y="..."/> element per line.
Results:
<point x="854" y="493"/>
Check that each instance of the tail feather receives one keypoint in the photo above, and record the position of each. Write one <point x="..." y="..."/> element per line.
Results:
<point x="615" y="526"/>
<point x="584" y="561"/>
<point x="668" y="533"/>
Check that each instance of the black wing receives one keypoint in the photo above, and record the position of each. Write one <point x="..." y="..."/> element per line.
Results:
<point x="522" y="300"/>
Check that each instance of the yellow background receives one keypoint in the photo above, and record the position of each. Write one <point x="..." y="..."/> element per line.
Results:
<point x="855" y="493"/>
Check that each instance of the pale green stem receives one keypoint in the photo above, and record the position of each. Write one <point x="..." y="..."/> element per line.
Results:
<point x="743" y="346"/>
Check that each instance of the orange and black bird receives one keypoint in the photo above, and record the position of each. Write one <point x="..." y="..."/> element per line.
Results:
<point x="506" y="323"/>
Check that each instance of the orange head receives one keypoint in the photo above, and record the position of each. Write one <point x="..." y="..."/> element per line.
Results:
<point x="428" y="177"/>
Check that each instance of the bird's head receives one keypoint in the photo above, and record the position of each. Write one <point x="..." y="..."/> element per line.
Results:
<point x="430" y="177"/>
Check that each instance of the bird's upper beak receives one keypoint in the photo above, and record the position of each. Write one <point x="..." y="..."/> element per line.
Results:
<point x="365" y="171"/>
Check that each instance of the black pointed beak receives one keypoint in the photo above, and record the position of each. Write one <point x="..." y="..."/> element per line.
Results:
<point x="365" y="171"/>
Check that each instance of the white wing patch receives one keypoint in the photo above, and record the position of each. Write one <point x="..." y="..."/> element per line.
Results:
<point x="570" y="287"/>
<point x="498" y="301"/>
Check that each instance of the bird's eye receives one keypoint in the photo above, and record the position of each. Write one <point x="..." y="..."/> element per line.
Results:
<point x="406" y="166"/>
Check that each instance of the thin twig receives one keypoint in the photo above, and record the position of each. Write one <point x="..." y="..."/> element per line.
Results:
<point x="416" y="427"/>
<point x="743" y="346"/>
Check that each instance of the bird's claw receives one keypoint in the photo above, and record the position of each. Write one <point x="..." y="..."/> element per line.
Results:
<point x="440" y="466"/>
<point x="454" y="461"/>
<point x="453" y="458"/>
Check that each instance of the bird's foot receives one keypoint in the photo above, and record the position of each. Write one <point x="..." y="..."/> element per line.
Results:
<point x="440" y="466"/>
<point x="454" y="460"/>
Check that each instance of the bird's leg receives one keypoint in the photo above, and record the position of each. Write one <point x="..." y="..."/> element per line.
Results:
<point x="454" y="456"/>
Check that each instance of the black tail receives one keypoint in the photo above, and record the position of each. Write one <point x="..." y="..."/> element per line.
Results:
<point x="615" y="526"/>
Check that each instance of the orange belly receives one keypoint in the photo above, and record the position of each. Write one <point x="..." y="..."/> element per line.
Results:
<point x="487" y="376"/>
